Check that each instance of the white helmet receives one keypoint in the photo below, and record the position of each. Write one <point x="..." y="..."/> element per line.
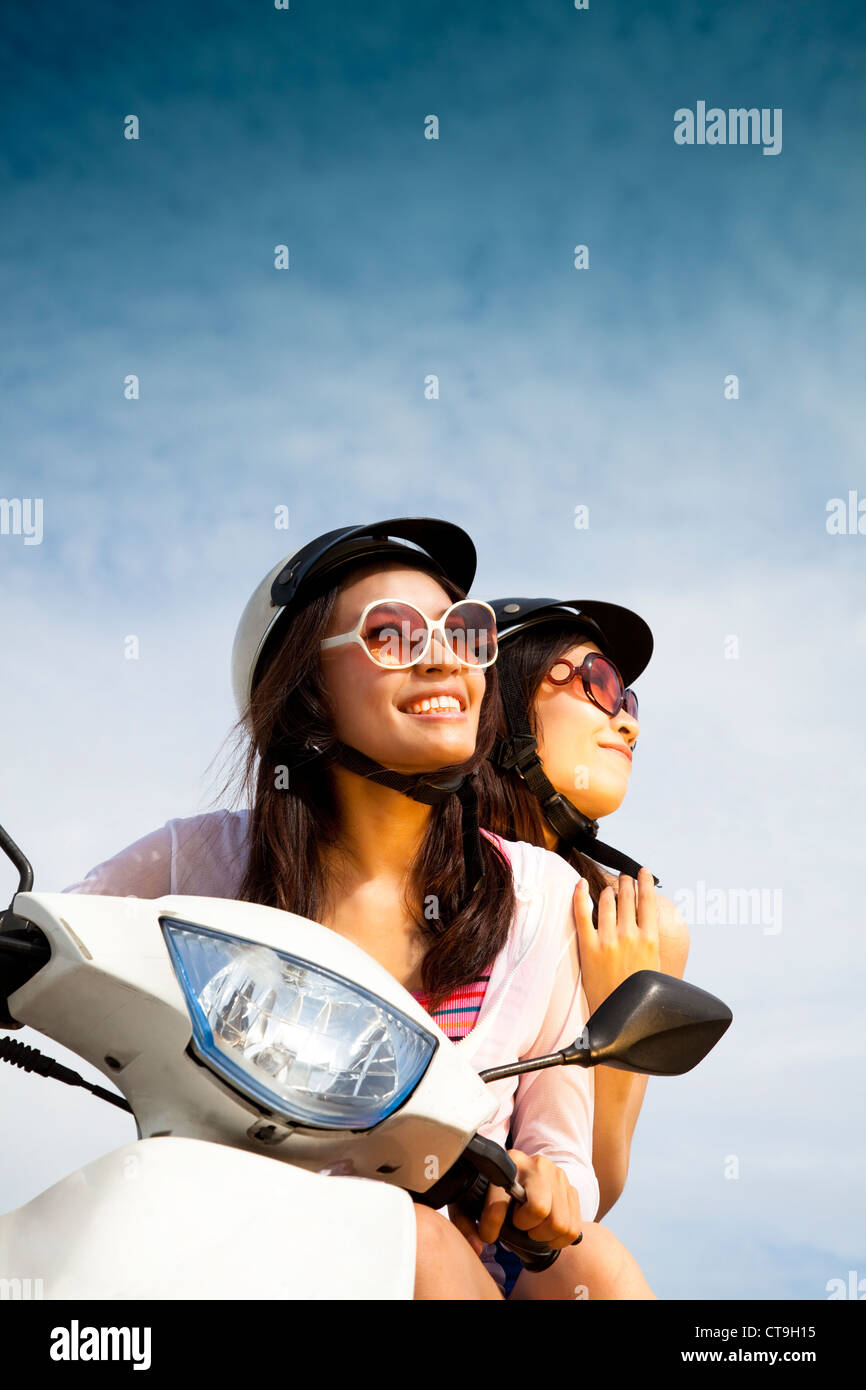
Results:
<point x="443" y="547"/>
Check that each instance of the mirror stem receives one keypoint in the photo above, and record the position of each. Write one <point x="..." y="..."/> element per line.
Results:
<point x="553" y="1059"/>
<point x="22" y="864"/>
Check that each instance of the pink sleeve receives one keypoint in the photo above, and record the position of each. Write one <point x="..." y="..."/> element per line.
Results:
<point x="553" y="1109"/>
<point x="142" y="870"/>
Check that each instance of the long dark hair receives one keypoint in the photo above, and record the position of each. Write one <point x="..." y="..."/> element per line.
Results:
<point x="289" y="787"/>
<point x="506" y="805"/>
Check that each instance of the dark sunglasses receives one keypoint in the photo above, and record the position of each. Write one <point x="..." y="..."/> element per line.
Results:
<point x="602" y="683"/>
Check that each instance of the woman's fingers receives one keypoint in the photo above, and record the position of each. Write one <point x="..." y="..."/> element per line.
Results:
<point x="647" y="904"/>
<point x="493" y="1215"/>
<point x="627" y="938"/>
<point x="551" y="1212"/>
<point x="582" y="903"/>
<point x="564" y="1224"/>
<point x="590" y="939"/>
<point x="607" y="917"/>
<point x="625" y="905"/>
<point x="637" y="907"/>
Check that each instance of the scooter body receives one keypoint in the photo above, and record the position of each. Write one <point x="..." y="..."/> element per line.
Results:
<point x="111" y="995"/>
<point x="292" y="1100"/>
<point x="189" y="1219"/>
<point x="198" y="1204"/>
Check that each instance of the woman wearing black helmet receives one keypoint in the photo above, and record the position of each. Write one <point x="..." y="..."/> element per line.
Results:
<point x="367" y="691"/>
<point x="563" y="760"/>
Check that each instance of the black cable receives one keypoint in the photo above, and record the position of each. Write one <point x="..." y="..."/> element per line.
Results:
<point x="30" y="1059"/>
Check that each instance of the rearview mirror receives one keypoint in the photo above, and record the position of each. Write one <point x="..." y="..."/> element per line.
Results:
<point x="654" y="1024"/>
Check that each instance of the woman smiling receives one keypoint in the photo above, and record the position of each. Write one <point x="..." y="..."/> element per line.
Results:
<point x="367" y="690"/>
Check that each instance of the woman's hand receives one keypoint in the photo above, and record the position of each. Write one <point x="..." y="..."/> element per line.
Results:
<point x="627" y="938"/>
<point x="551" y="1212"/>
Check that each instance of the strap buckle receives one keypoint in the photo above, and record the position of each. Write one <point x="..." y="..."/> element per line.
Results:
<point x="567" y="821"/>
<point x="516" y="752"/>
<point x="430" y="789"/>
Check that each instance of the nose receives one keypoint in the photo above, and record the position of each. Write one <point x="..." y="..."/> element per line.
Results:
<point x="439" y="656"/>
<point x="627" y="726"/>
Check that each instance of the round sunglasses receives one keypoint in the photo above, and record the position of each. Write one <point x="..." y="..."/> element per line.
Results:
<point x="601" y="681"/>
<point x="396" y="634"/>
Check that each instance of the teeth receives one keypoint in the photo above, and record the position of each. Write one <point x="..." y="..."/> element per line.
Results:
<point x="436" y="702"/>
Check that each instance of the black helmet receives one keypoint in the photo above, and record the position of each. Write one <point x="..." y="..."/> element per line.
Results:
<point x="622" y="636"/>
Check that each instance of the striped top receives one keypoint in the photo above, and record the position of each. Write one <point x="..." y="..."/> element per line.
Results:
<point x="457" y="1014"/>
<point x="534" y="1003"/>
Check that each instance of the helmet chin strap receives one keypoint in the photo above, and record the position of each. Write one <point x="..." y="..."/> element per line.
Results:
<point x="519" y="753"/>
<point x="431" y="789"/>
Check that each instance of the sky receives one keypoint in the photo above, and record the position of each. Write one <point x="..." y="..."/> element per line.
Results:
<point x="558" y="388"/>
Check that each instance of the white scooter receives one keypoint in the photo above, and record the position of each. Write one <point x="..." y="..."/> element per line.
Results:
<point x="240" y="1035"/>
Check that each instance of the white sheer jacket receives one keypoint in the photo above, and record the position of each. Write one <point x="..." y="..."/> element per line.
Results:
<point x="534" y="1002"/>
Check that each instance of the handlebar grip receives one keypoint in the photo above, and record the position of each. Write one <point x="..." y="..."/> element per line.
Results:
<point x="534" y="1255"/>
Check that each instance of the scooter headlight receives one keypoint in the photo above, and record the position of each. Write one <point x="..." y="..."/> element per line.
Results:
<point x="307" y="1044"/>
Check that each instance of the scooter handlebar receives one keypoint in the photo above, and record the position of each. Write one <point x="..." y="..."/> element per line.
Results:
<point x="465" y="1185"/>
<point x="534" y="1255"/>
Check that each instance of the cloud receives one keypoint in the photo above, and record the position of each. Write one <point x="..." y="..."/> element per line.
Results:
<point x="557" y="388"/>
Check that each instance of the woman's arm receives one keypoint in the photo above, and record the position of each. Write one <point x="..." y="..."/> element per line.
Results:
<point x="647" y="935"/>
<point x="142" y="870"/>
<point x="552" y="1115"/>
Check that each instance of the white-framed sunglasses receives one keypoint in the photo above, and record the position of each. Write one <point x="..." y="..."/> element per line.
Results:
<point x="396" y="634"/>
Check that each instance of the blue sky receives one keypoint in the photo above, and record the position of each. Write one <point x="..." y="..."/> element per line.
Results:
<point x="558" y="387"/>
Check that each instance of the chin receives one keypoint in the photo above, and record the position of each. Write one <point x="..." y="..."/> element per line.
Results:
<point x="438" y="745"/>
<point x="602" y="801"/>
<point x="605" y="805"/>
<point x="445" y="754"/>
<point x="417" y="756"/>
